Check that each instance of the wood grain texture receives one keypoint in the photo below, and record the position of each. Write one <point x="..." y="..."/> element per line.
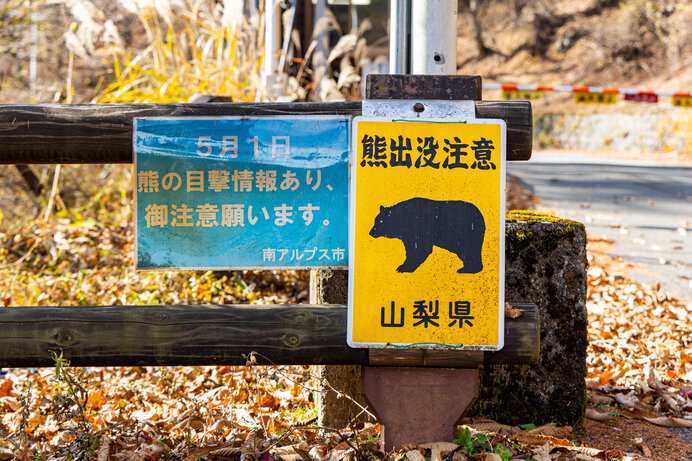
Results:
<point x="215" y="335"/>
<point x="518" y="116"/>
<point x="102" y="133"/>
<point x="410" y="86"/>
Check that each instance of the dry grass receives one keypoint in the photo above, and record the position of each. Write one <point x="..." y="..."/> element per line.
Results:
<point x="83" y="254"/>
<point x="190" y="51"/>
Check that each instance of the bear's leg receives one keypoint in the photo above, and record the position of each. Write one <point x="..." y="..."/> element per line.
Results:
<point x="473" y="263"/>
<point x="415" y="256"/>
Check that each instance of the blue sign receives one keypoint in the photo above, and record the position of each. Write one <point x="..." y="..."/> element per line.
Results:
<point x="241" y="192"/>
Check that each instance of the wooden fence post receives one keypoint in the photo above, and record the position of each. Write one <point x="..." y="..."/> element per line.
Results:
<point x="331" y="287"/>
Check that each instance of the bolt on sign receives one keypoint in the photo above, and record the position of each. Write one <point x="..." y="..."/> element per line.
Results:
<point x="427" y="234"/>
<point x="250" y="192"/>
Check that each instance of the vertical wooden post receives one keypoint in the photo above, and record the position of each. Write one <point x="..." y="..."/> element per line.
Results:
<point x="331" y="287"/>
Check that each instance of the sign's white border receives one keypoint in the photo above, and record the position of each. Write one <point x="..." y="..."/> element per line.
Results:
<point x="351" y="237"/>
<point x="225" y="117"/>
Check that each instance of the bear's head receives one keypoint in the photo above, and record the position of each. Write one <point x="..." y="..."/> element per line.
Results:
<point x="382" y="226"/>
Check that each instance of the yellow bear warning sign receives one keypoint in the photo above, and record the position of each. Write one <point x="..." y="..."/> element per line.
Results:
<point x="427" y="234"/>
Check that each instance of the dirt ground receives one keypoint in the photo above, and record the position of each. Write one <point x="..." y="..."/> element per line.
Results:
<point x="638" y="439"/>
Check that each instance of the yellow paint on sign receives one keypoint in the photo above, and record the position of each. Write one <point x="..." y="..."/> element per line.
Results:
<point x="595" y="98"/>
<point x="682" y="101"/>
<point x="518" y="95"/>
<point x="427" y="234"/>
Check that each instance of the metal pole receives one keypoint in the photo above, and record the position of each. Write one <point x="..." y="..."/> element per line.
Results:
<point x="271" y="37"/>
<point x="399" y="27"/>
<point x="433" y="32"/>
<point x="287" y="36"/>
<point x="33" y="60"/>
<point x="271" y="81"/>
<point x="321" y="36"/>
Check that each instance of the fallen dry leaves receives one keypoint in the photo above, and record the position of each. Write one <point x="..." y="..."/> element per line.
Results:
<point x="75" y="261"/>
<point x="149" y="413"/>
<point x="640" y="344"/>
<point x="489" y="442"/>
<point x="639" y="363"/>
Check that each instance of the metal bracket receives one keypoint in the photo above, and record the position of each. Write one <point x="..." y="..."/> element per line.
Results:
<point x="418" y="405"/>
<point x="420" y="108"/>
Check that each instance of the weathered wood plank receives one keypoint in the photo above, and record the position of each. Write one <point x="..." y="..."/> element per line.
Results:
<point x="214" y="335"/>
<point x="519" y="119"/>
<point x="102" y="133"/>
<point x="522" y="345"/>
<point x="411" y="86"/>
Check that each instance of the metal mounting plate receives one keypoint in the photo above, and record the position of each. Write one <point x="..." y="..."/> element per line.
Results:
<point x="432" y="109"/>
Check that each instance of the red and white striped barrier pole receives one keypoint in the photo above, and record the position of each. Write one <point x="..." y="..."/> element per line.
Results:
<point x="682" y="99"/>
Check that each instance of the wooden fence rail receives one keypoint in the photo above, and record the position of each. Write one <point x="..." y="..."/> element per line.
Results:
<point x="102" y="133"/>
<point x="223" y="335"/>
<point x="211" y="334"/>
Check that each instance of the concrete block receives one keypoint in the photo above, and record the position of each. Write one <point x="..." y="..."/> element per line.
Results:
<point x="545" y="263"/>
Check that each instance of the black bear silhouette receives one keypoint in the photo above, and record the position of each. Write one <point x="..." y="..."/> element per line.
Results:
<point x="420" y="223"/>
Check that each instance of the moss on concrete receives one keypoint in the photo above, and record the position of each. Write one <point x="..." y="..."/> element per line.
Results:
<point x="530" y="216"/>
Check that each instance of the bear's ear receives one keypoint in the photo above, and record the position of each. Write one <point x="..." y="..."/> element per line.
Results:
<point x="382" y="208"/>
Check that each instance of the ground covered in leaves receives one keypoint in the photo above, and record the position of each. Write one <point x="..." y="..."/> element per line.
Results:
<point x="639" y="363"/>
<point x="191" y="413"/>
<point x="639" y="366"/>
